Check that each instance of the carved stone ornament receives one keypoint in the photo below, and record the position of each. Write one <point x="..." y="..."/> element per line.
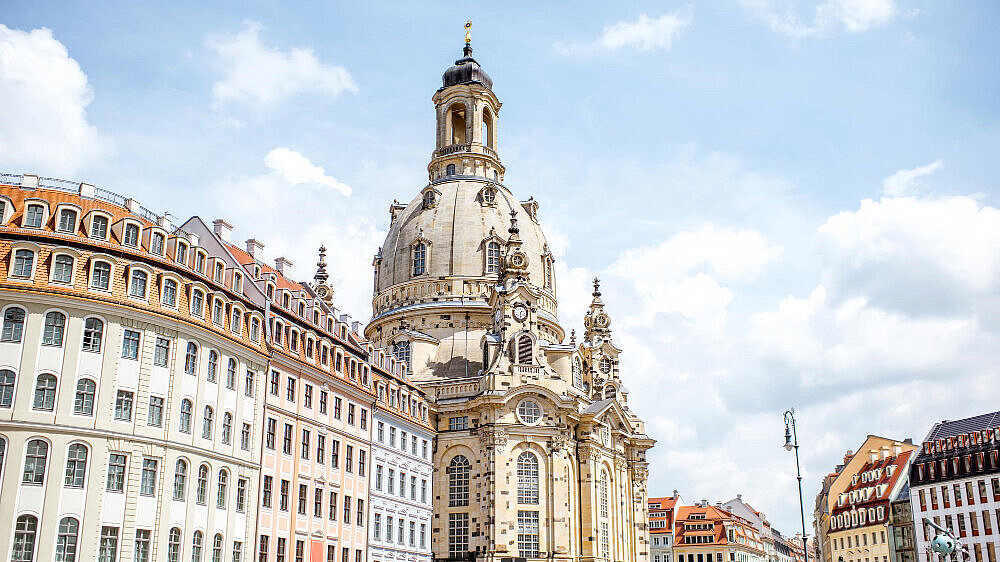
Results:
<point x="496" y="438"/>
<point x="586" y="452"/>
<point x="620" y="464"/>
<point x="557" y="443"/>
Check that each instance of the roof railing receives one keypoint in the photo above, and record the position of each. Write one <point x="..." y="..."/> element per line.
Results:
<point x="76" y="187"/>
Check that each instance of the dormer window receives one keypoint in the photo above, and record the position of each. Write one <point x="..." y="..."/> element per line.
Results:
<point x="488" y="195"/>
<point x="67" y="220"/>
<point x="286" y="301"/>
<point x="130" y="236"/>
<point x="302" y="309"/>
<point x="220" y="272"/>
<point x="199" y="262"/>
<point x="156" y="242"/>
<point x="24" y="264"/>
<point x="99" y="227"/>
<point x="429" y="198"/>
<point x="492" y="257"/>
<point x="34" y="216"/>
<point x="218" y="311"/>
<point x="419" y="258"/>
<point x="180" y="254"/>
<point x="237" y="283"/>
<point x="270" y="291"/>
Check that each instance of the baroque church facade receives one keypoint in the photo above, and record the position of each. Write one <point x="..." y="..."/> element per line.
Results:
<point x="538" y="454"/>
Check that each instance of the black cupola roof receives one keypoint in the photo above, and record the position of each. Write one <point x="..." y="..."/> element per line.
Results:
<point x="466" y="71"/>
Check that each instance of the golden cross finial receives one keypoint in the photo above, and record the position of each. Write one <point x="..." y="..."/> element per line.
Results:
<point x="468" y="32"/>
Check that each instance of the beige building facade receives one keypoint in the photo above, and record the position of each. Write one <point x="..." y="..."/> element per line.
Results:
<point x="538" y="454"/>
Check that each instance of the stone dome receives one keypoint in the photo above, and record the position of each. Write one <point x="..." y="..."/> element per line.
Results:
<point x="456" y="227"/>
<point x="466" y="70"/>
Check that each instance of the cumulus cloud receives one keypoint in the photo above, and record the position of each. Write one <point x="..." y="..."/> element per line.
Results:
<point x="904" y="182"/>
<point x="855" y="16"/>
<point x="299" y="170"/>
<point x="643" y="34"/>
<point x="293" y="208"/>
<point x="44" y="96"/>
<point x="258" y="75"/>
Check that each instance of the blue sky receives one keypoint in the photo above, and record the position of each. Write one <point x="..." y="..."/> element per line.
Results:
<point x="790" y="203"/>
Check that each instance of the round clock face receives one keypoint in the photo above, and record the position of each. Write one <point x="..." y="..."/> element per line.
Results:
<point x="520" y="313"/>
<point x="321" y="291"/>
<point x="601" y="320"/>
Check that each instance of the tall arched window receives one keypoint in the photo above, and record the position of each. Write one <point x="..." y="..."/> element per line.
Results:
<point x="401" y="350"/>
<point x="3" y="451"/>
<point x="137" y="285"/>
<point x="419" y="258"/>
<point x="13" y="325"/>
<point x="83" y="403"/>
<point x="217" y="548"/>
<point x="93" y="335"/>
<point x="25" y="531"/>
<point x="45" y="393"/>
<point x="220" y="500"/>
<point x="520" y="350"/>
<point x="196" y="546"/>
<point x="493" y="257"/>
<point x="201" y="490"/>
<point x="602" y="493"/>
<point x="191" y="358"/>
<point x="34" y="462"/>
<point x="7" y="379"/>
<point x="185" y="417"/>
<point x="231" y="373"/>
<point x="527" y="478"/>
<point x="577" y="373"/>
<point x="66" y="540"/>
<point x="429" y="195"/>
<point x="456" y="114"/>
<point x="458" y="481"/>
<point x="169" y="297"/>
<point x="174" y="545"/>
<point x="227" y="428"/>
<point x="180" y="480"/>
<point x="62" y="269"/>
<point x="55" y="327"/>
<point x="206" y="423"/>
<point x="76" y="466"/>
<point x="487" y="128"/>
<point x="213" y="365"/>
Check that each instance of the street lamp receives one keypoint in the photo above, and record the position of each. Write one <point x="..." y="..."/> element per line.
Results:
<point x="792" y="442"/>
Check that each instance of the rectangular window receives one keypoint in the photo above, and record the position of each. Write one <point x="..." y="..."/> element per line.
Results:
<point x="305" y="444"/>
<point x="269" y="436"/>
<point x="391" y="482"/>
<point x="99" y="227"/>
<point x="147" y="486"/>
<point x="108" y="549"/>
<point x="130" y="344"/>
<point x="392" y="437"/>
<point x="155" y="415"/>
<point x="336" y="408"/>
<point x="116" y="472"/>
<point x="458" y="534"/>
<point x="283" y="497"/>
<point x="318" y="503"/>
<point x="265" y="496"/>
<point x="377" y="527"/>
<point x="322" y="401"/>
<point x="275" y="382"/>
<point x="349" y="459"/>
<point x="458" y="423"/>
<point x="320" y="449"/>
<point x="361" y="513"/>
<point x="350" y="414"/>
<point x="303" y="492"/>
<point x="241" y="495"/>
<point x="290" y="393"/>
<point x="161" y="353"/>
<point x="347" y="510"/>
<point x="248" y="387"/>
<point x="361" y="462"/>
<point x="123" y="406"/>
<point x="245" y="437"/>
<point x="334" y="453"/>
<point x="381" y="432"/>
<point x="286" y="446"/>
<point x="333" y="506"/>
<point x="307" y="395"/>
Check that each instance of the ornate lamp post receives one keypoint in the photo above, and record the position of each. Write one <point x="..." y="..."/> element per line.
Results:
<point x="792" y="442"/>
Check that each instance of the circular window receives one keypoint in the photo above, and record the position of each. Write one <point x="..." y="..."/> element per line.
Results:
<point x="605" y="365"/>
<point x="529" y="412"/>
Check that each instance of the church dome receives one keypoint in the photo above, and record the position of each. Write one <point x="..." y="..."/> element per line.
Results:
<point x="456" y="220"/>
<point x="466" y="70"/>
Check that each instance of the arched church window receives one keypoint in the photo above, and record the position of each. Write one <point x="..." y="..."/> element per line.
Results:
<point x="428" y="199"/>
<point x="449" y="170"/>
<point x="520" y="350"/>
<point x="419" y="258"/>
<point x="457" y="115"/>
<point x="610" y="391"/>
<point x="489" y="195"/>
<point x="602" y="493"/>
<point x="402" y="353"/>
<point x="548" y="272"/>
<point x="458" y="482"/>
<point x="492" y="256"/>
<point x="496" y="175"/>
<point x="577" y="373"/>
<point x="605" y="365"/>
<point x="487" y="128"/>
<point x="527" y="478"/>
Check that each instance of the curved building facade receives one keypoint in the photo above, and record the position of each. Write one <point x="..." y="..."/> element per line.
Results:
<point x="129" y="365"/>
<point x="538" y="454"/>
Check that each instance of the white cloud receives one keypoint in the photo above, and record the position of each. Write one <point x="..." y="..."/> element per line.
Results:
<point x="257" y="75"/>
<point x="855" y="16"/>
<point x="44" y="96"/>
<point x="646" y="33"/>
<point x="299" y="170"/>
<point x="284" y="209"/>
<point x="904" y="182"/>
<point x="643" y="34"/>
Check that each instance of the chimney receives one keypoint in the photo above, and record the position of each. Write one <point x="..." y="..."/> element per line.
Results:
<point x="87" y="190"/>
<point x="356" y="327"/>
<point x="739" y="497"/>
<point x="675" y="494"/>
<point x="282" y="264"/>
<point x="254" y="246"/>
<point x="132" y="205"/>
<point x="222" y="229"/>
<point x="873" y="454"/>
<point x="164" y="223"/>
<point x="885" y="452"/>
<point x="897" y="450"/>
<point x="29" y="181"/>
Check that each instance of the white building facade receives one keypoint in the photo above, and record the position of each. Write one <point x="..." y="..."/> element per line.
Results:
<point x="401" y="493"/>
